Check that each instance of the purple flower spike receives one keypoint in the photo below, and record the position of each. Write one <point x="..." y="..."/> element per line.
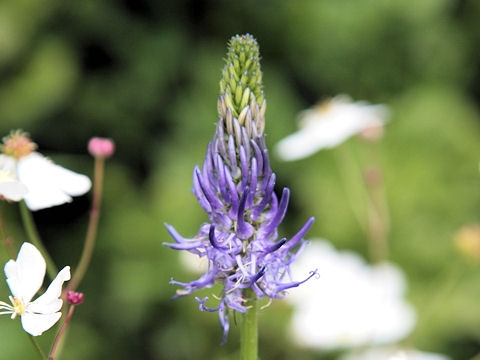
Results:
<point x="236" y="189"/>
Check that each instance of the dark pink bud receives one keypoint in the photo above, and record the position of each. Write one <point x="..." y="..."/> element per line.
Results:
<point x="101" y="147"/>
<point x="74" y="298"/>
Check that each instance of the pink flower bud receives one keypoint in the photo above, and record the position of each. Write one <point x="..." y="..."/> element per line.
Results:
<point x="74" y="298"/>
<point x="101" y="147"/>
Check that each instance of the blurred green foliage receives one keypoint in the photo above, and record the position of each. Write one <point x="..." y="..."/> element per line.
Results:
<point x="146" y="74"/>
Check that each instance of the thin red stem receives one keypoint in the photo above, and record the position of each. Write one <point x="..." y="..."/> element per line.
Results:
<point x="92" y="226"/>
<point x="60" y="333"/>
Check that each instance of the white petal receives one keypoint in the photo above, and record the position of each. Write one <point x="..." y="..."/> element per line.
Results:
<point x="378" y="314"/>
<point x="36" y="324"/>
<point x="8" y="164"/>
<point x="25" y="275"/>
<point x="328" y="126"/>
<point x="298" y="145"/>
<point x="49" y="302"/>
<point x="49" y="184"/>
<point x="13" y="190"/>
<point x="393" y="353"/>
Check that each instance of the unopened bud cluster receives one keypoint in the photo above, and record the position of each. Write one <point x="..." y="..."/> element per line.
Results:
<point x="74" y="298"/>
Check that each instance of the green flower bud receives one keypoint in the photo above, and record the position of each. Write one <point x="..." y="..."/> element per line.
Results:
<point x="241" y="98"/>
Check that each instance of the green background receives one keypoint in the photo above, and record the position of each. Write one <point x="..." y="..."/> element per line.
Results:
<point x="146" y="73"/>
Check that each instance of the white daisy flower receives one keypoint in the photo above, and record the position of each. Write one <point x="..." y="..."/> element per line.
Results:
<point x="10" y="188"/>
<point x="24" y="278"/>
<point x="351" y="304"/>
<point x="48" y="184"/>
<point x="390" y="353"/>
<point x="329" y="124"/>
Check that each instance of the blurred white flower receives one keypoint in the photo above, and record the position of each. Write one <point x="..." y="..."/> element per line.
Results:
<point x="48" y="184"/>
<point x="24" y="278"/>
<point x="329" y="124"/>
<point x="10" y="188"/>
<point x="193" y="262"/>
<point x="394" y="354"/>
<point x="351" y="304"/>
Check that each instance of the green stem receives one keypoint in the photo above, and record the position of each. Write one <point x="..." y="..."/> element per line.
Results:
<point x="32" y="233"/>
<point x="377" y="231"/>
<point x="6" y="239"/>
<point x="367" y="200"/>
<point x="249" y="335"/>
<point x="377" y="205"/>
<point x="352" y="180"/>
<point x="37" y="346"/>
<point x="92" y="226"/>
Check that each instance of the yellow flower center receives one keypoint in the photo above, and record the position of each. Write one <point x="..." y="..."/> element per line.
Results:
<point x="324" y="106"/>
<point x="18" y="306"/>
<point x="17" y="144"/>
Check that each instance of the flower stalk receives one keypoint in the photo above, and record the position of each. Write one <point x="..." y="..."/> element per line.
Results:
<point x="377" y="204"/>
<point x="7" y="241"/>
<point x="91" y="236"/>
<point x="249" y="335"/>
<point x="37" y="347"/>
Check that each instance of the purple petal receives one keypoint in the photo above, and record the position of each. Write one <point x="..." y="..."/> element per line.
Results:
<point x="223" y="316"/>
<point x="283" y="287"/>
<point x="244" y="229"/>
<point x="204" y="280"/>
<point x="213" y="240"/>
<point x="280" y="214"/>
<point x="244" y="167"/>
<point x="232" y="155"/>
<point x="215" y="203"/>
<point x="266" y="198"/>
<point x="202" y="306"/>
<point x="198" y="192"/>
<point x="232" y="189"/>
<point x="253" y="184"/>
<point x="275" y="246"/>
<point x="186" y="246"/>
<point x="207" y="169"/>
<point x="257" y="276"/>
<point x="299" y="235"/>
<point x="176" y="236"/>
<point x="258" y="156"/>
<point x="221" y="138"/>
<point x="220" y="169"/>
